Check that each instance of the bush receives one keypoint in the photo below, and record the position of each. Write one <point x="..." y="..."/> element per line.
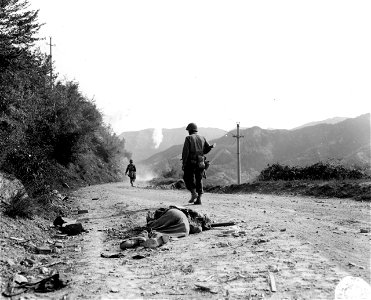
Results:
<point x="20" y="206"/>
<point x="172" y="169"/>
<point x="318" y="171"/>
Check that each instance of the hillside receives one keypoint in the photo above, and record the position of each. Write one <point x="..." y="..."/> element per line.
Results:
<point x="145" y="143"/>
<point x="327" y="121"/>
<point x="51" y="134"/>
<point x="347" y="141"/>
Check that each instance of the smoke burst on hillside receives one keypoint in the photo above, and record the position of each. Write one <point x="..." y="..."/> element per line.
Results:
<point x="145" y="173"/>
<point x="157" y="137"/>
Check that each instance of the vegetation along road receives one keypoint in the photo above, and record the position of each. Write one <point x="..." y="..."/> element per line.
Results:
<point x="307" y="244"/>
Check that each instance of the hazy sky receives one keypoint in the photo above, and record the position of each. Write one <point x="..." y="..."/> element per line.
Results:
<point x="163" y="64"/>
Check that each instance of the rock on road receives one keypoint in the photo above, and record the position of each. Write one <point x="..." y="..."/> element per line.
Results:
<point x="307" y="244"/>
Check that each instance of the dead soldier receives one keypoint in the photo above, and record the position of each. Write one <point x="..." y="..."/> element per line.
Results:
<point x="131" y="171"/>
<point x="193" y="161"/>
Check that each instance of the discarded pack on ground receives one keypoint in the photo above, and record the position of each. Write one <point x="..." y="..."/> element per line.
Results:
<point x="69" y="227"/>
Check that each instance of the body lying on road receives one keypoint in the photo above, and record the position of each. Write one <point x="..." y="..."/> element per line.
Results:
<point x="164" y="223"/>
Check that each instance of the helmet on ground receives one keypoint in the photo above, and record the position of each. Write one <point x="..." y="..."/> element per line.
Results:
<point x="192" y="127"/>
<point x="131" y="160"/>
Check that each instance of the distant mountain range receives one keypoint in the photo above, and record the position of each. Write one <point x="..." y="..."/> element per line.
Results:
<point x="327" y="121"/>
<point x="145" y="143"/>
<point x="347" y="141"/>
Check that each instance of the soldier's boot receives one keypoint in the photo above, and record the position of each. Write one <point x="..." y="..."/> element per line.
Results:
<point x="198" y="201"/>
<point x="193" y="197"/>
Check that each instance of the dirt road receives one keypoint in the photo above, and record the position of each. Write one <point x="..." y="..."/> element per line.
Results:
<point x="308" y="245"/>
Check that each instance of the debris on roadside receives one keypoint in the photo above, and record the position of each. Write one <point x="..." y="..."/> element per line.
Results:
<point x="60" y="236"/>
<point x="260" y="241"/>
<point x="236" y="277"/>
<point x="206" y="288"/>
<point x="71" y="229"/>
<point x="18" y="278"/>
<point x="65" y="185"/>
<point x="234" y="231"/>
<point x="17" y="239"/>
<point x="44" y="270"/>
<point x="58" y="244"/>
<point x="187" y="269"/>
<point x="27" y="262"/>
<point x="19" y="284"/>
<point x="350" y="264"/>
<point x="206" y="279"/>
<point x="59" y="221"/>
<point x="127" y="244"/>
<point x="67" y="226"/>
<point x="139" y="256"/>
<point x="112" y="255"/>
<point x="272" y="282"/>
<point x="44" y="250"/>
<point x="223" y="224"/>
<point x="273" y="268"/>
<point x="223" y="244"/>
<point x="256" y="296"/>
<point x="54" y="263"/>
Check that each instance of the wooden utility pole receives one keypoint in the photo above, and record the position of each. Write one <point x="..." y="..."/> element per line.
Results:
<point x="238" y="136"/>
<point x="51" y="60"/>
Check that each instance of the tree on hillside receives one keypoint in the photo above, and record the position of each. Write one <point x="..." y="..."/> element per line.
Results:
<point x="22" y="78"/>
<point x="47" y="131"/>
<point x="18" y="26"/>
<point x="20" y="69"/>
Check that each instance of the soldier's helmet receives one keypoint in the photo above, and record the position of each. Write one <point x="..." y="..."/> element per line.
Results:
<point x="192" y="127"/>
<point x="131" y="160"/>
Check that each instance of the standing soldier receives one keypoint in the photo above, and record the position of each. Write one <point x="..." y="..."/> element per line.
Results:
<point x="132" y="172"/>
<point x="193" y="160"/>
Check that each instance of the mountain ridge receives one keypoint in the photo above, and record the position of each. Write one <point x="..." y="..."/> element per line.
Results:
<point x="347" y="142"/>
<point x="333" y="120"/>
<point x="145" y="143"/>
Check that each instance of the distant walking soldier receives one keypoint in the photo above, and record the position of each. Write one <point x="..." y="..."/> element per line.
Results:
<point x="193" y="160"/>
<point x="132" y="172"/>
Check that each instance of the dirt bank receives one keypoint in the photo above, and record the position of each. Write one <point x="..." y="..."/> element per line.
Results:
<point x="359" y="190"/>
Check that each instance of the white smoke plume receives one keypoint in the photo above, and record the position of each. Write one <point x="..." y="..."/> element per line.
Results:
<point x="157" y="136"/>
<point x="144" y="175"/>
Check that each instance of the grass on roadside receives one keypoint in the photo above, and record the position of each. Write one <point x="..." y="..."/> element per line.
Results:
<point x="20" y="205"/>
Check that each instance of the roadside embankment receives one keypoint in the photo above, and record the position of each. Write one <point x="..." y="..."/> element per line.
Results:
<point x="359" y="190"/>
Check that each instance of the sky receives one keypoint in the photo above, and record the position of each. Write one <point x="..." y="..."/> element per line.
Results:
<point x="163" y="64"/>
